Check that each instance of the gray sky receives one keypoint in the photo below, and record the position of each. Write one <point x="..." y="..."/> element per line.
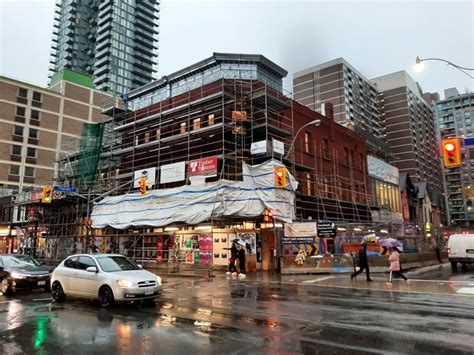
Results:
<point x="376" y="37"/>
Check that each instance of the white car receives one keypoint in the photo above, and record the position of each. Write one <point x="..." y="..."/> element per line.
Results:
<point x="106" y="277"/>
<point x="461" y="250"/>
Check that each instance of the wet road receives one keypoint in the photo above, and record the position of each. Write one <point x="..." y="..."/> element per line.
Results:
<point x="309" y="314"/>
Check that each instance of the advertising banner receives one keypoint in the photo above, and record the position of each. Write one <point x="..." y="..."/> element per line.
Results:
<point x="149" y="174"/>
<point x="205" y="166"/>
<point x="303" y="229"/>
<point x="172" y="172"/>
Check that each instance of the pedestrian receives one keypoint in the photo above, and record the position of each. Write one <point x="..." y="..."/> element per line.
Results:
<point x="436" y="249"/>
<point x="242" y="262"/>
<point x="232" y="260"/>
<point x="363" y="263"/>
<point x="394" y="259"/>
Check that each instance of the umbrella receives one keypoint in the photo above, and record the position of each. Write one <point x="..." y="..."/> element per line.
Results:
<point x="241" y="242"/>
<point x="389" y="243"/>
<point x="370" y="238"/>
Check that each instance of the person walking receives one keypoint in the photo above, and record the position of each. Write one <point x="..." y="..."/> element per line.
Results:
<point x="394" y="259"/>
<point x="232" y="259"/>
<point x="242" y="261"/>
<point x="363" y="263"/>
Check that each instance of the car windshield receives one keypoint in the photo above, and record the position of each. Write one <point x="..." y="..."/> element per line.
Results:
<point x="116" y="263"/>
<point x="19" y="261"/>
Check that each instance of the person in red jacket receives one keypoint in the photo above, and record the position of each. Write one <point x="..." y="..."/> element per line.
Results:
<point x="394" y="259"/>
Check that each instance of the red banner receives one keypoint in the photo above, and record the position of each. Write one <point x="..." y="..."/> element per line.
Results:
<point x="205" y="166"/>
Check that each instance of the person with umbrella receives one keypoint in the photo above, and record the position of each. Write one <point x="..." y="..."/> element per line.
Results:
<point x="395" y="266"/>
<point x="363" y="262"/>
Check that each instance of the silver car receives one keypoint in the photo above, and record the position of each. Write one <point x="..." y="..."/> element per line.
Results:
<point x="106" y="277"/>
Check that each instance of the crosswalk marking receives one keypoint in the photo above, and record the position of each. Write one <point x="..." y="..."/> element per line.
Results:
<point x="318" y="280"/>
<point x="466" y="290"/>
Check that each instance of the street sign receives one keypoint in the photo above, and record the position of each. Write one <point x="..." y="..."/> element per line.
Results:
<point x="65" y="189"/>
<point x="258" y="148"/>
<point x="326" y="229"/>
<point x="278" y="147"/>
<point x="468" y="141"/>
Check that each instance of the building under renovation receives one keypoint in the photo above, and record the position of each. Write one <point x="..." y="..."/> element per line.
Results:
<point x="205" y="124"/>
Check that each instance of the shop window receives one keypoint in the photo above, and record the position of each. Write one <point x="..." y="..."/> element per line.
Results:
<point x="37" y="96"/>
<point x="16" y="150"/>
<point x="158" y="133"/>
<point x="35" y="115"/>
<point x="20" y="111"/>
<point x="196" y="123"/>
<point x="182" y="127"/>
<point x="14" y="170"/>
<point x="210" y="120"/>
<point x="31" y="152"/>
<point x="33" y="133"/>
<point x="22" y="93"/>
<point x="325" y="149"/>
<point x="18" y="131"/>
<point x="29" y="171"/>
<point x="307" y="142"/>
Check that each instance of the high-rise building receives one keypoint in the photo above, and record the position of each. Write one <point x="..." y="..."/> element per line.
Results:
<point x="38" y="125"/>
<point x="454" y="116"/>
<point x="114" y="41"/>
<point x="410" y="128"/>
<point x="354" y="98"/>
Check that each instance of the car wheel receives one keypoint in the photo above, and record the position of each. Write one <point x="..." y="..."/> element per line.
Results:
<point x="464" y="267"/>
<point x="57" y="292"/>
<point x="6" y="287"/>
<point x="454" y="265"/>
<point x="106" y="297"/>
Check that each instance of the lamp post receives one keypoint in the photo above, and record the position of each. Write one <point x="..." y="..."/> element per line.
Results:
<point x="316" y="123"/>
<point x="419" y="67"/>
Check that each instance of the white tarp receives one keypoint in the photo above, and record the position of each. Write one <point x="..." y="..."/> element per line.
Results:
<point x="194" y="204"/>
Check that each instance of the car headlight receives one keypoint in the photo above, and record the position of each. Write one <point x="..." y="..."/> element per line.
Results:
<point x="124" y="283"/>
<point x="158" y="280"/>
<point x="16" y="275"/>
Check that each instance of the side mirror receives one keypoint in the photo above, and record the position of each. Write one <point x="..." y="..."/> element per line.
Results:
<point x="140" y="266"/>
<point x="92" y="269"/>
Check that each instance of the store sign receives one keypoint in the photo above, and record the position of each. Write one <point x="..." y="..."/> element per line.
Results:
<point x="381" y="170"/>
<point x="258" y="148"/>
<point x="303" y="229"/>
<point x="172" y="172"/>
<point x="206" y="166"/>
<point x="326" y="229"/>
<point x="278" y="147"/>
<point x="297" y="240"/>
<point x="149" y="174"/>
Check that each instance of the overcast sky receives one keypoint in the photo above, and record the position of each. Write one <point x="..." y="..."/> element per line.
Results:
<point x="376" y="37"/>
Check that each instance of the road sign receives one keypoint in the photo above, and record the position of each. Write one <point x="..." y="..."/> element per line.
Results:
<point x="65" y="189"/>
<point x="326" y="229"/>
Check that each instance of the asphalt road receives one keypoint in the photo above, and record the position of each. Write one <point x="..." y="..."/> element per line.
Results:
<point x="311" y="314"/>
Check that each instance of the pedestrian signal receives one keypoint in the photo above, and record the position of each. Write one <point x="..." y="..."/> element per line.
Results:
<point x="451" y="153"/>
<point x="47" y="195"/>
<point x="280" y="178"/>
<point x="142" y="183"/>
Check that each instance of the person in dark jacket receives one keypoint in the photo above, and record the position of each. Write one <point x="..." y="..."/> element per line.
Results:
<point x="242" y="260"/>
<point x="363" y="262"/>
<point x="232" y="259"/>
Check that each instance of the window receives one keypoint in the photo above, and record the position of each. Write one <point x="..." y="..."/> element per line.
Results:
<point x="18" y="131"/>
<point x="307" y="142"/>
<point x="346" y="156"/>
<point x="35" y="115"/>
<point x="14" y="170"/>
<point x="183" y="128"/>
<point x="158" y="133"/>
<point x="210" y="120"/>
<point x="33" y="133"/>
<point x="325" y="149"/>
<point x="85" y="262"/>
<point x="36" y="96"/>
<point x="31" y="152"/>
<point x="29" y="171"/>
<point x="16" y="150"/>
<point x="309" y="184"/>
<point x="147" y="137"/>
<point x="196" y="123"/>
<point x="20" y="111"/>
<point x="23" y="92"/>
<point x="71" y="262"/>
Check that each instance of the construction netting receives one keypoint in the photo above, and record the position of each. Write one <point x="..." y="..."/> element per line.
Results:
<point x="89" y="153"/>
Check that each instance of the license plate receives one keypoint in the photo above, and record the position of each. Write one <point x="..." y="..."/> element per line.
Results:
<point x="148" y="292"/>
<point x="41" y="283"/>
<point x="470" y="251"/>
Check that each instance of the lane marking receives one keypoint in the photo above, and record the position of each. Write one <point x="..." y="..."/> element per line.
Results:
<point x="42" y="299"/>
<point x="318" y="280"/>
<point x="422" y="280"/>
<point x="466" y="291"/>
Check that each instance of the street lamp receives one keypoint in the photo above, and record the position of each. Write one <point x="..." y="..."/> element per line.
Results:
<point x="316" y="123"/>
<point x="419" y="65"/>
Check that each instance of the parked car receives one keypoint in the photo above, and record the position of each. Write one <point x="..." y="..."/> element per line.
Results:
<point x="106" y="277"/>
<point x="461" y="250"/>
<point x="20" y="271"/>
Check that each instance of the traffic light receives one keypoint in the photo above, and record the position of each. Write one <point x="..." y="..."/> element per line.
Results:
<point x="280" y="178"/>
<point x="451" y="152"/>
<point x="47" y="195"/>
<point x="142" y="183"/>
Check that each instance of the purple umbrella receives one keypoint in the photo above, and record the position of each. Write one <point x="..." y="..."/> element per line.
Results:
<point x="389" y="243"/>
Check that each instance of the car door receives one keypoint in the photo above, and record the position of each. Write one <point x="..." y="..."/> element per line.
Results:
<point x="66" y="274"/>
<point x="86" y="282"/>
